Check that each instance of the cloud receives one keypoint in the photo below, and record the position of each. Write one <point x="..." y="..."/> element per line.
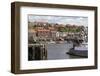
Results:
<point x="78" y="20"/>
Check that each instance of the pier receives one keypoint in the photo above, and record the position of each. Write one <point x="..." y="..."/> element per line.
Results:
<point x="37" y="52"/>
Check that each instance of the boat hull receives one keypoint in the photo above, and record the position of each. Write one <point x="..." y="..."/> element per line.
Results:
<point x="81" y="53"/>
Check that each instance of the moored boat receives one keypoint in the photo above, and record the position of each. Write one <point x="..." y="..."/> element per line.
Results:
<point x="81" y="50"/>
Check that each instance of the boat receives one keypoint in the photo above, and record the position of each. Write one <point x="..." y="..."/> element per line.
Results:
<point x="60" y="41"/>
<point x="52" y="42"/>
<point x="81" y="50"/>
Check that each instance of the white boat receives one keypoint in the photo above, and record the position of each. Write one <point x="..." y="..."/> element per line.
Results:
<point x="81" y="50"/>
<point x="52" y="42"/>
<point x="82" y="47"/>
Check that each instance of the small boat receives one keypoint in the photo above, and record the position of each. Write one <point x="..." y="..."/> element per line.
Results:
<point x="81" y="50"/>
<point x="52" y="42"/>
<point x="60" y="41"/>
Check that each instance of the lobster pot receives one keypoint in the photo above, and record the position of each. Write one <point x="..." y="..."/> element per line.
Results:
<point x="37" y="52"/>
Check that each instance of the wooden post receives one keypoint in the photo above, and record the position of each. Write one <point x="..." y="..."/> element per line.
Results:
<point x="37" y="52"/>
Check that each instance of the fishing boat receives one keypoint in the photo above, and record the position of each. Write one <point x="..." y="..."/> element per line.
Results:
<point x="81" y="50"/>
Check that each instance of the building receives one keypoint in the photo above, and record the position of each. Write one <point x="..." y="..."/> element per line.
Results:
<point x="31" y="35"/>
<point x="62" y="34"/>
<point x="52" y="33"/>
<point x="43" y="33"/>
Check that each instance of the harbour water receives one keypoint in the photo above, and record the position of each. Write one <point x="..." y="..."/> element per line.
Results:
<point x="58" y="51"/>
<point x="54" y="51"/>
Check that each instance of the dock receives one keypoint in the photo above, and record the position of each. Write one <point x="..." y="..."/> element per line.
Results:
<point x="37" y="52"/>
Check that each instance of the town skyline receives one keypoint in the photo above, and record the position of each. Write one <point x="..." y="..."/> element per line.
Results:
<point x="72" y="20"/>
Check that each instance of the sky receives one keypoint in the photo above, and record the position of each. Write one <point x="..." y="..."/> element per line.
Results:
<point x="77" y="20"/>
